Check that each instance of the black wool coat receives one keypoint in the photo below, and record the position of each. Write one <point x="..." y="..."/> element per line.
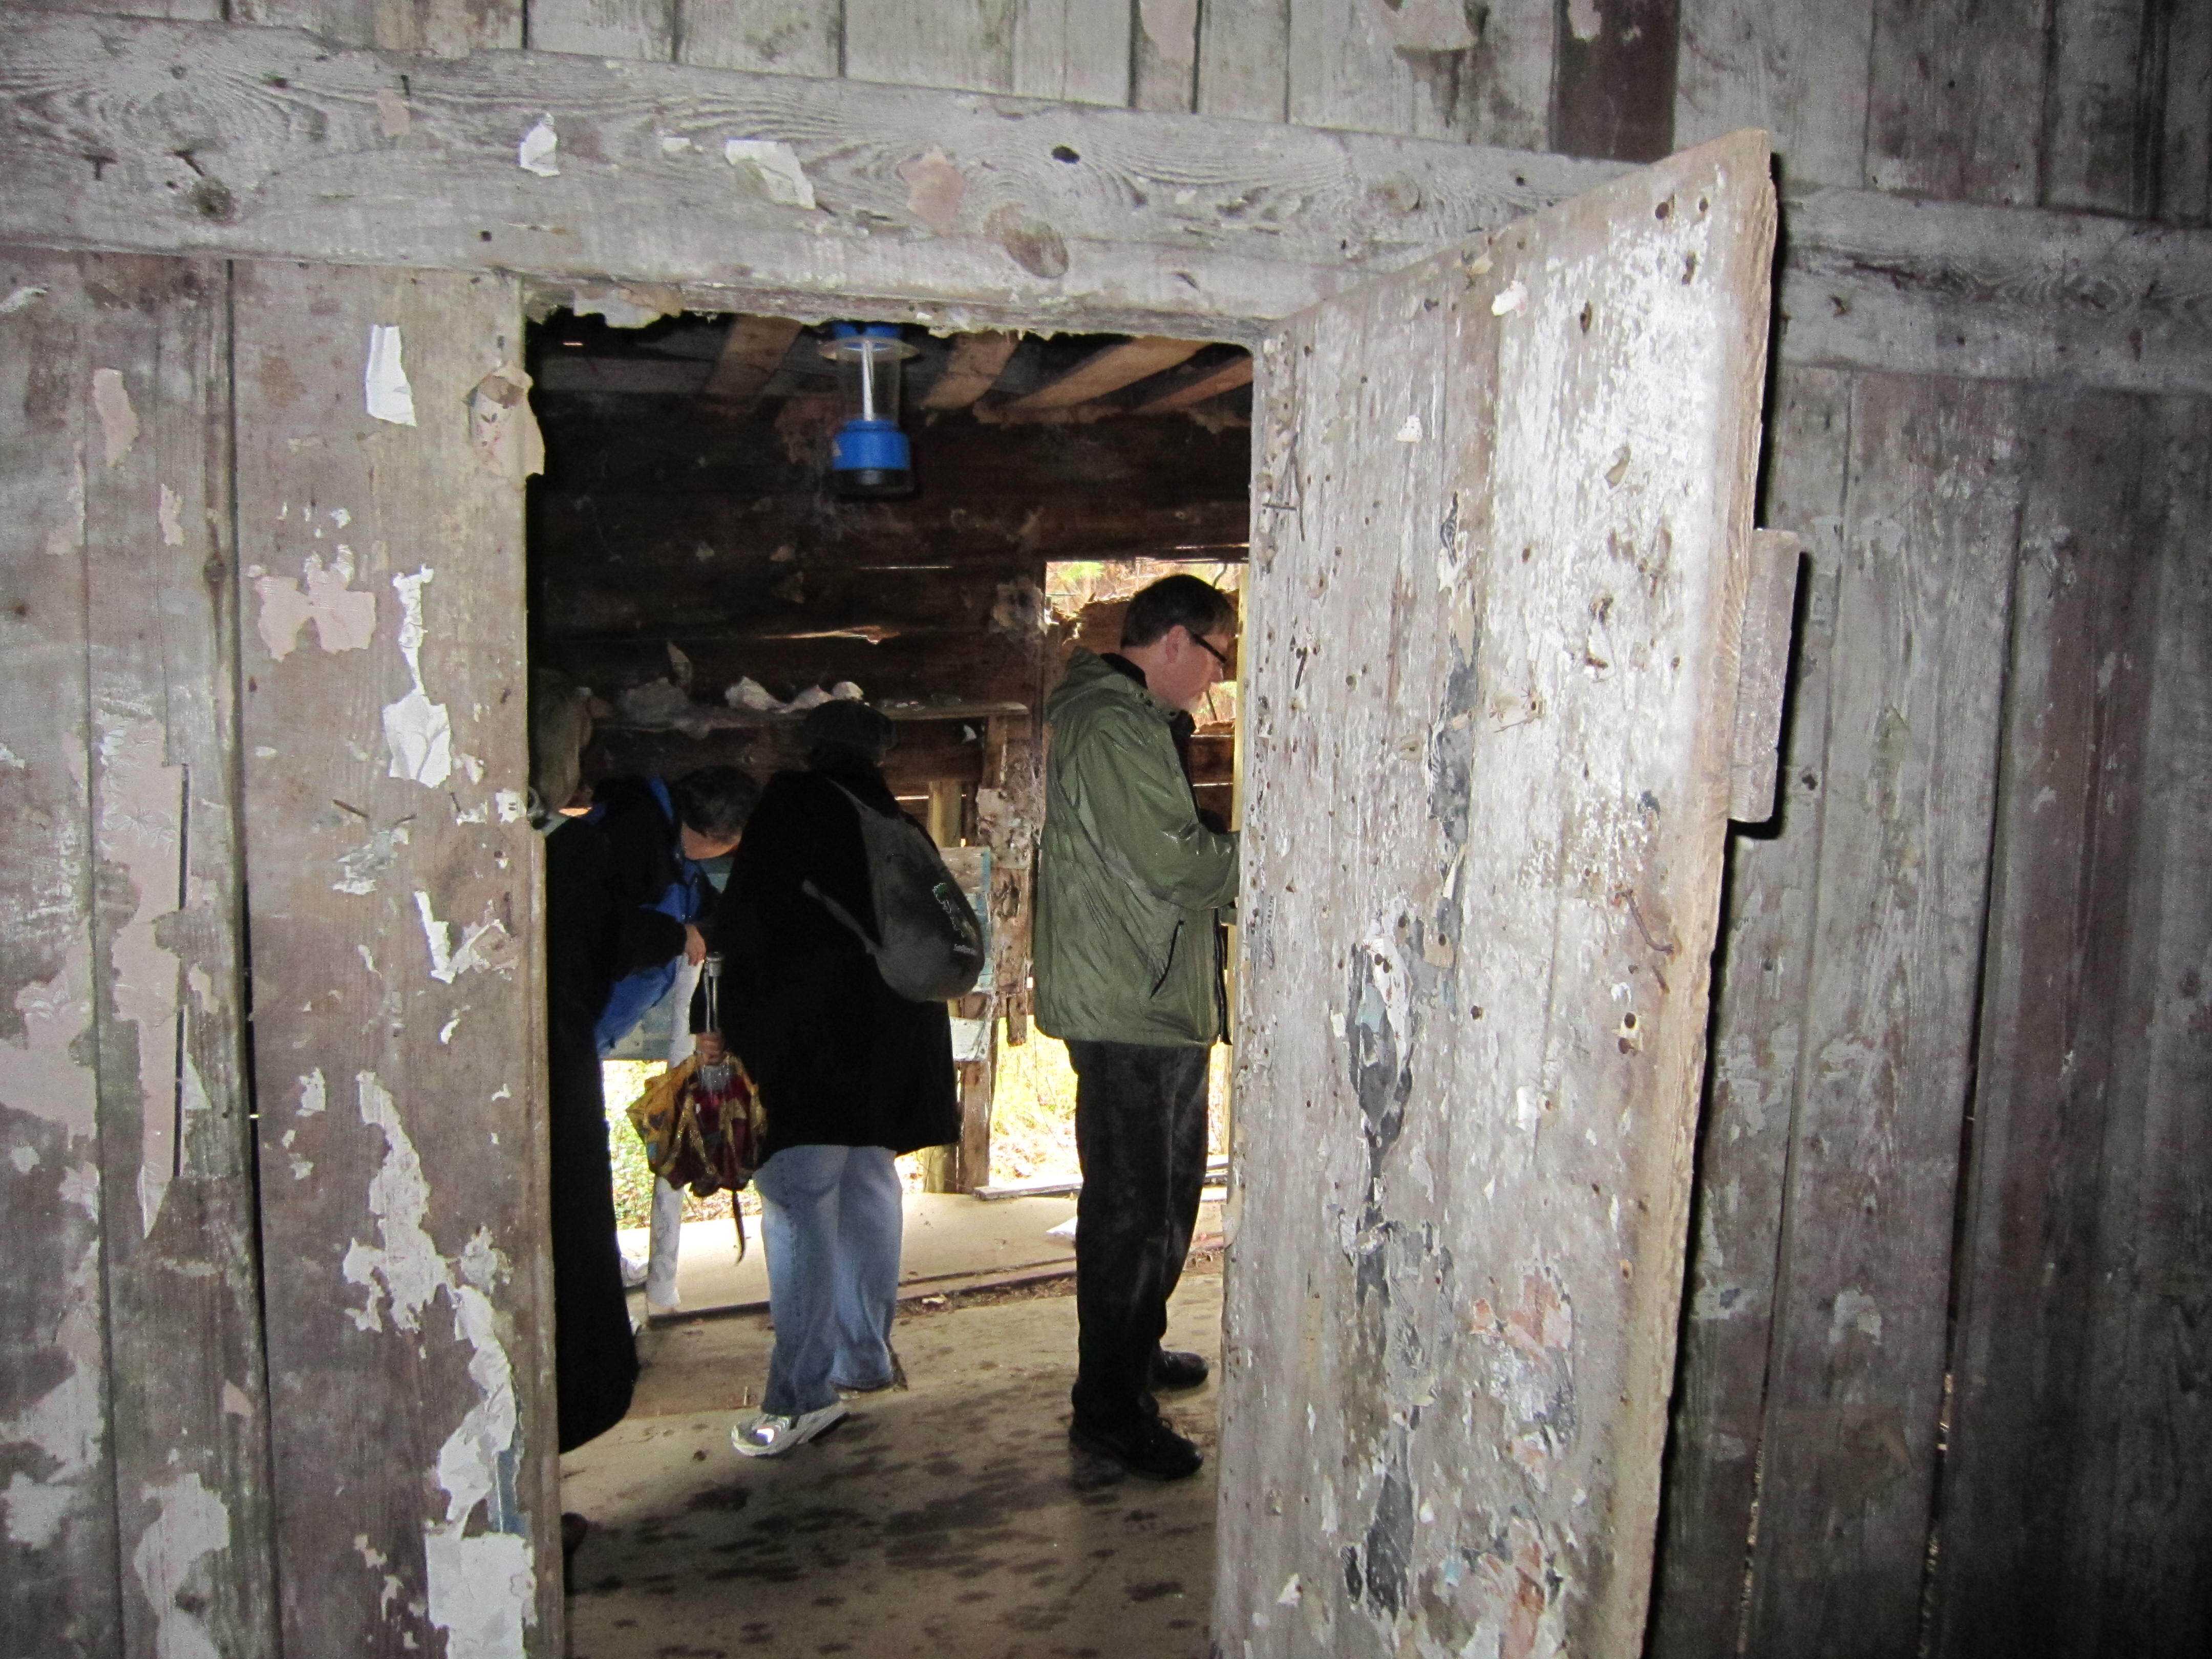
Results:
<point x="839" y="1058"/>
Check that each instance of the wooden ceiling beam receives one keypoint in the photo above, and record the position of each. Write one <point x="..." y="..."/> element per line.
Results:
<point x="753" y="351"/>
<point x="973" y="369"/>
<point x="1227" y="378"/>
<point x="1105" y="372"/>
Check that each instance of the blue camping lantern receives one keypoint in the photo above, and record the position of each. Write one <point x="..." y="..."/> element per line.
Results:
<point x="869" y="458"/>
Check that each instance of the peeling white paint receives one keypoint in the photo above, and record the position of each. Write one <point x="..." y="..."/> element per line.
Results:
<point x="360" y="866"/>
<point x="445" y="1031"/>
<point x="389" y="396"/>
<point x="11" y="760"/>
<point x="1855" y="1311"/>
<point x="234" y="1401"/>
<point x="774" y="166"/>
<point x="1510" y="298"/>
<point x="24" y="1158"/>
<point x="510" y="806"/>
<point x="20" y="297"/>
<point x="302" y="1168"/>
<point x="118" y="421"/>
<point x="314" y="1094"/>
<point x="418" y="733"/>
<point x="484" y="944"/>
<point x="1410" y="430"/>
<point x="674" y="143"/>
<point x="37" y="1074"/>
<point x="503" y="429"/>
<point x="1584" y="20"/>
<point x="535" y="152"/>
<point x="65" y="1423"/>
<point x="193" y="1523"/>
<point x="407" y="1267"/>
<point x="344" y="618"/>
<point x="170" y="516"/>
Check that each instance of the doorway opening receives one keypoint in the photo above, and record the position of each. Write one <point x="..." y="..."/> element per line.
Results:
<point x="692" y="562"/>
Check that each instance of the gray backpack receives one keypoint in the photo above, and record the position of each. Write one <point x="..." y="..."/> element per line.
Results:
<point x="927" y="943"/>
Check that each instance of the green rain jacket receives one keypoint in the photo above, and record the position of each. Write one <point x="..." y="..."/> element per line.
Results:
<point x="1128" y="880"/>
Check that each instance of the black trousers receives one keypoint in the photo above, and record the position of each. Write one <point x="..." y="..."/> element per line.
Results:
<point x="1140" y="1136"/>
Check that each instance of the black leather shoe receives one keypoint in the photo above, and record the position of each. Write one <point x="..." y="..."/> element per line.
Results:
<point x="1149" y="1448"/>
<point x="1177" y="1368"/>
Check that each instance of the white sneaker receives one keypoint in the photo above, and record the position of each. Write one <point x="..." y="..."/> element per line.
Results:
<point x="760" y="1434"/>
<point x="633" y="1271"/>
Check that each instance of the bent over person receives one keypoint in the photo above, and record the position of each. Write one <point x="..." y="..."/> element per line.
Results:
<point x="1129" y="884"/>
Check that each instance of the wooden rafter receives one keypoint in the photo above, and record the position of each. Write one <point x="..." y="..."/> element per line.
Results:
<point x="973" y="369"/>
<point x="753" y="351"/>
<point x="1227" y="378"/>
<point x="1106" y="371"/>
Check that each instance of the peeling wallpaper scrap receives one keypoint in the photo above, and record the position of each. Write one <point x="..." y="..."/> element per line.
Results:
<point x="418" y="732"/>
<point x="344" y="618"/>
<point x="389" y="395"/>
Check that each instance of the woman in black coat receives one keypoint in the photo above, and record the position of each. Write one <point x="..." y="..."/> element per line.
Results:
<point x="850" y="1074"/>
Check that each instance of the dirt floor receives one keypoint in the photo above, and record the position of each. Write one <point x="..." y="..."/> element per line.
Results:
<point x="948" y="1519"/>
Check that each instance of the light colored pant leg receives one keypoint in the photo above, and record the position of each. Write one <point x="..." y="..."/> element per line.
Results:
<point x="871" y="1217"/>
<point x="801" y="1190"/>
<point x="667" y="1220"/>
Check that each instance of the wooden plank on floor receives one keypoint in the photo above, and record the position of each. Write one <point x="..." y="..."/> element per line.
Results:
<point x="1798" y="71"/>
<point x="1478" y="75"/>
<point x="972" y="369"/>
<point x="1955" y="99"/>
<point x="1614" y="93"/>
<point x="2145" y="1509"/>
<point x="964" y="44"/>
<point x="393" y="897"/>
<point x="606" y="29"/>
<point x="59" y="1555"/>
<point x="1073" y="50"/>
<point x="2057" y="1020"/>
<point x="770" y="37"/>
<point x="1856" y="1372"/>
<point x="1720" y="1390"/>
<point x="1108" y="371"/>
<point x="753" y="351"/>
<point x="189" y="1402"/>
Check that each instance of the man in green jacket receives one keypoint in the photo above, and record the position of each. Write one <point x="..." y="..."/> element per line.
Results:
<point x="1129" y="883"/>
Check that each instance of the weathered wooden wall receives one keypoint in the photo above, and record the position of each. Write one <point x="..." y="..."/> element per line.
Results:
<point x="2028" y="1080"/>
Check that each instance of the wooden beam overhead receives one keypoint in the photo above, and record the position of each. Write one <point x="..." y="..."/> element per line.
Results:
<point x="344" y="157"/>
<point x="1108" y="371"/>
<point x="1191" y="392"/>
<point x="973" y="369"/>
<point x="754" y="349"/>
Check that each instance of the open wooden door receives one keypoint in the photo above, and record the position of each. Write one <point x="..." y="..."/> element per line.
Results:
<point x="1503" y="537"/>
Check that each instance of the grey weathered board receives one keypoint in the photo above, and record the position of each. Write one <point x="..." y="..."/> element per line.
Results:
<point x="394" y="903"/>
<point x="1502" y="535"/>
<point x="1915" y="673"/>
<point x="952" y="210"/>
<point x="1744" y="1140"/>
<point x="136" y="1472"/>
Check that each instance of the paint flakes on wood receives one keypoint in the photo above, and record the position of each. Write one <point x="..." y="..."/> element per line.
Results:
<point x="773" y="169"/>
<point x="503" y="427"/>
<point x="191" y="1524"/>
<point x="418" y="733"/>
<point x="388" y="395"/>
<point x="66" y="1424"/>
<point x="344" y="618"/>
<point x="119" y="420"/>
<point x="539" y="149"/>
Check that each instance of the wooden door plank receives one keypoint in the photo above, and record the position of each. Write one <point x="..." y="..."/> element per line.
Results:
<point x="1955" y="99"/>
<point x="1243" y="58"/>
<point x="2184" y="169"/>
<point x="1492" y="702"/>
<point x="1164" y="58"/>
<point x="1858" y="1357"/>
<point x="1227" y="378"/>
<point x="1073" y="50"/>
<point x="963" y="44"/>
<point x="1712" y="1457"/>
<point x="2146" y="1510"/>
<point x="972" y="369"/>
<point x="394" y="901"/>
<point x="606" y="29"/>
<point x="1425" y="69"/>
<point x="188" y="1396"/>
<point x="448" y="29"/>
<point x="1614" y="91"/>
<point x="58" y="1557"/>
<point x="753" y="351"/>
<point x="1106" y="371"/>
<point x="2055" y="1023"/>
<point x="1798" y="71"/>
<point x="773" y="37"/>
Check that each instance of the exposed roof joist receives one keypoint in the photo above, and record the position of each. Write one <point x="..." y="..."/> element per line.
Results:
<point x="1105" y="372"/>
<point x="973" y="369"/>
<point x="754" y="349"/>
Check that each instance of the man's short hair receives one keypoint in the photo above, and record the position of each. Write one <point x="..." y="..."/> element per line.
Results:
<point x="1176" y="601"/>
<point x="846" y="725"/>
<point x="714" y="800"/>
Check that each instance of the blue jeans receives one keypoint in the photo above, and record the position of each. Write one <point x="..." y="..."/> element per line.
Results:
<point x="831" y="1219"/>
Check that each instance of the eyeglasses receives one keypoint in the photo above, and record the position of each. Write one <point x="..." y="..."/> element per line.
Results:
<point x="1214" y="652"/>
